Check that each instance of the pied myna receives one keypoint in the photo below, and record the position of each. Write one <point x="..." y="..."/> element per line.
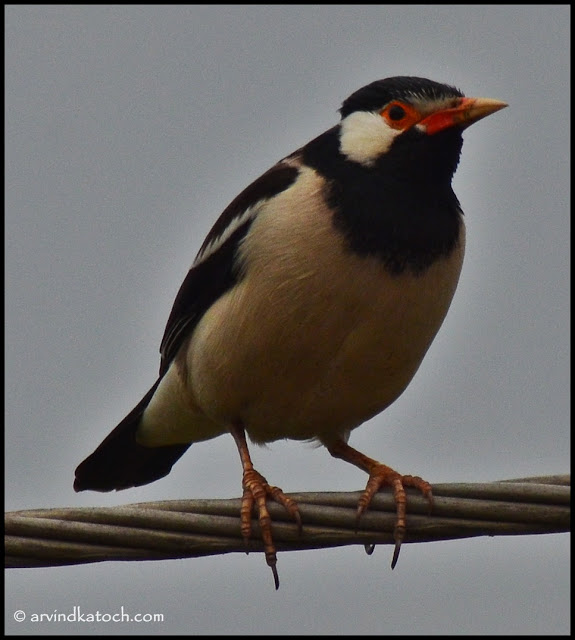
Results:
<point x="312" y="301"/>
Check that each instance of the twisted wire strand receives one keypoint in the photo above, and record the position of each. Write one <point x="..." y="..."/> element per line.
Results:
<point x="192" y="528"/>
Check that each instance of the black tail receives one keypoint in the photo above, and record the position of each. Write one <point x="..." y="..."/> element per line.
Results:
<point x="120" y="462"/>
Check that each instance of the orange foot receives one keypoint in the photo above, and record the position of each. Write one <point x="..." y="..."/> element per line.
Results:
<point x="381" y="475"/>
<point x="257" y="491"/>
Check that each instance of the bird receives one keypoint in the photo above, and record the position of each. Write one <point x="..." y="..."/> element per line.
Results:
<point x="311" y="302"/>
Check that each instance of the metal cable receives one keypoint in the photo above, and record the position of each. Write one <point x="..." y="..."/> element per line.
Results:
<point x="192" y="528"/>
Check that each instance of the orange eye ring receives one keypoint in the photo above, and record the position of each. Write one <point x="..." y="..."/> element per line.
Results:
<point x="400" y="115"/>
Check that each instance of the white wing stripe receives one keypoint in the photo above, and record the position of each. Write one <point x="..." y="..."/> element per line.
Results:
<point x="250" y="213"/>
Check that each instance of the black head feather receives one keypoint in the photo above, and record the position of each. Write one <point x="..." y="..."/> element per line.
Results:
<point x="377" y="94"/>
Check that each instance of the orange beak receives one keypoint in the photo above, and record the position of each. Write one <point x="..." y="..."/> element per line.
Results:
<point x="467" y="111"/>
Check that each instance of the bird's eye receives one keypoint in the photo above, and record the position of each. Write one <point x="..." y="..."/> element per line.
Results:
<point x="396" y="112"/>
<point x="400" y="115"/>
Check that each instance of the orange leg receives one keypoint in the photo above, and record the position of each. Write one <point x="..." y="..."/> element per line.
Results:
<point x="379" y="476"/>
<point x="257" y="491"/>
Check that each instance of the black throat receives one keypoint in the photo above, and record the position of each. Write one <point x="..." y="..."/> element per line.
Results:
<point x="402" y="210"/>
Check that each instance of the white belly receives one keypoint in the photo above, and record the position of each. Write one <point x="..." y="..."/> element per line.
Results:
<point x="315" y="340"/>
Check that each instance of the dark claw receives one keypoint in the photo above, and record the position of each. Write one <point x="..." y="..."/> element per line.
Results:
<point x="276" y="576"/>
<point x="298" y="522"/>
<point x="399" y="535"/>
<point x="395" y="555"/>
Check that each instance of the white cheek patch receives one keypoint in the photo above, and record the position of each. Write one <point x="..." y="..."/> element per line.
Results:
<point x="365" y="136"/>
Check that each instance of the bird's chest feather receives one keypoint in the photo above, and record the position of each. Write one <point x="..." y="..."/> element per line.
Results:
<point x="315" y="339"/>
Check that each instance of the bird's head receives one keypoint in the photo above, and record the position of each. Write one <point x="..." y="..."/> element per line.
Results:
<point x="407" y="114"/>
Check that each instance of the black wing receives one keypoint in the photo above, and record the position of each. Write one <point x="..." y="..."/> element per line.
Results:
<point x="120" y="462"/>
<point x="214" y="270"/>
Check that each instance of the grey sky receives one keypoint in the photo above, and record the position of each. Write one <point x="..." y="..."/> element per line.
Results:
<point x="128" y="130"/>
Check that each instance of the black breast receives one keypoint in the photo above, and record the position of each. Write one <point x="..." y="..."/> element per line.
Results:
<point x="403" y="209"/>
